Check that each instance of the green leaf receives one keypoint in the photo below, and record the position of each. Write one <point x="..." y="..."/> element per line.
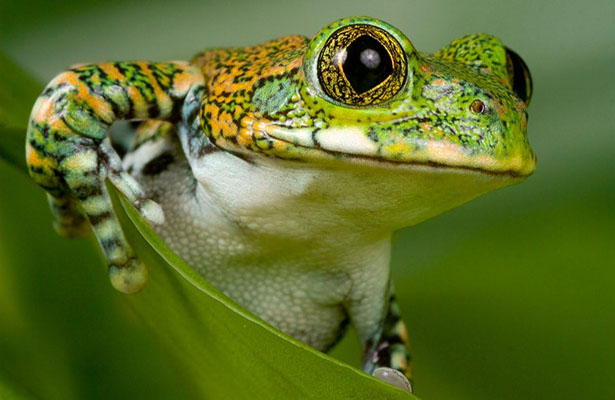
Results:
<point x="12" y="147"/>
<point x="64" y="332"/>
<point x="8" y="391"/>
<point x="222" y="350"/>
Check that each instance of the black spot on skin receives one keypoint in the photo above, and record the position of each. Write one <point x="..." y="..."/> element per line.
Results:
<point x="158" y="164"/>
<point x="244" y="157"/>
<point x="371" y="133"/>
<point x="110" y="244"/>
<point x="207" y="149"/>
<point x="36" y="169"/>
<point x="85" y="191"/>
<point x="97" y="219"/>
<point x="36" y="146"/>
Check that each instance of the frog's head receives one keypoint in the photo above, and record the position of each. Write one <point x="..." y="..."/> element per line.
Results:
<point x="359" y="89"/>
<point x="359" y="93"/>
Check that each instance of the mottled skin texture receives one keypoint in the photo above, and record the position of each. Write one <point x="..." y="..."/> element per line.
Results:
<point x="282" y="171"/>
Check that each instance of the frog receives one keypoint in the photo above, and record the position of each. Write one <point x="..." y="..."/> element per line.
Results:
<point x="281" y="171"/>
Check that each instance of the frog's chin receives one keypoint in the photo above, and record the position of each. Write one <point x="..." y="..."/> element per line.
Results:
<point x="355" y="194"/>
<point x="354" y="146"/>
<point x="372" y="195"/>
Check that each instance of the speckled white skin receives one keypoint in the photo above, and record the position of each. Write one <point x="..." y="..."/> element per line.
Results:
<point x="302" y="246"/>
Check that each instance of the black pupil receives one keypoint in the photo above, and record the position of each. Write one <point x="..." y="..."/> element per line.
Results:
<point x="367" y="63"/>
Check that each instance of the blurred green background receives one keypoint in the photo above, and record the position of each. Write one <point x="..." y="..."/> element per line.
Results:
<point x="508" y="297"/>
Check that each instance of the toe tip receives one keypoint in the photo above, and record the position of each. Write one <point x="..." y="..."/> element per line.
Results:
<point x="393" y="377"/>
<point x="152" y="212"/>
<point x="130" y="279"/>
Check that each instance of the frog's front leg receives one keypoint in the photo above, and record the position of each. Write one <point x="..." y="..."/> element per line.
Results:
<point x="70" y="156"/>
<point x="385" y="342"/>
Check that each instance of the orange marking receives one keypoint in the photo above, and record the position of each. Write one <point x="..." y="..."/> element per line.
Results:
<point x="112" y="72"/>
<point x="237" y="112"/>
<point x="98" y="105"/>
<point x="164" y="103"/>
<point x="140" y="106"/>
<point x="33" y="159"/>
<point x="226" y="124"/>
<point x="69" y="77"/>
<point x="245" y="137"/>
<point x="57" y="124"/>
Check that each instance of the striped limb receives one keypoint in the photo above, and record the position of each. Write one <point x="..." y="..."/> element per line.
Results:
<point x="386" y="354"/>
<point x="70" y="156"/>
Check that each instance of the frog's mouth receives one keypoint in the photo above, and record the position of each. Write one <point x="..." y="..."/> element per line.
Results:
<point x="355" y="145"/>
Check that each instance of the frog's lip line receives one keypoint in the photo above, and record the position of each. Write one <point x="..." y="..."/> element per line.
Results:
<point x="428" y="164"/>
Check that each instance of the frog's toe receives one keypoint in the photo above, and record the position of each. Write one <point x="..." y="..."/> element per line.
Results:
<point x="129" y="187"/>
<point x="130" y="278"/>
<point x="152" y="212"/>
<point x="393" y="377"/>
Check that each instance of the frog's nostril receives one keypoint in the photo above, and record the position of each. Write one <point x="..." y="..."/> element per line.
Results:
<point x="478" y="107"/>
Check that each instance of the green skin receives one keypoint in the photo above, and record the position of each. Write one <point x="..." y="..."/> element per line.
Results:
<point x="281" y="183"/>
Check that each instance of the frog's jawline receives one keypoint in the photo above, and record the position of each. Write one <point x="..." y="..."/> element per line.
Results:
<point x="429" y="164"/>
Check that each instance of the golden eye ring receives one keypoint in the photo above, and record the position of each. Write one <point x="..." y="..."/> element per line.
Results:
<point x="362" y="65"/>
<point x="478" y="107"/>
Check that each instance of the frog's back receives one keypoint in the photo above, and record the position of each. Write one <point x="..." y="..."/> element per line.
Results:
<point x="236" y="69"/>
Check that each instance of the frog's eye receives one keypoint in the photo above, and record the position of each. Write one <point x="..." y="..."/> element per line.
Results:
<point x="361" y="65"/>
<point x="520" y="76"/>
